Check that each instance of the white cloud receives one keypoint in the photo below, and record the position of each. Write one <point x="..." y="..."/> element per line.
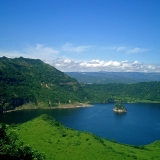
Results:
<point x="37" y="52"/>
<point x="67" y="61"/>
<point x="68" y="47"/>
<point x="135" y="62"/>
<point x="109" y="66"/>
<point x="49" y="55"/>
<point x="136" y="50"/>
<point x="41" y="51"/>
<point x="112" y="63"/>
<point x="121" y="48"/>
<point x="127" y="50"/>
<point x="10" y="54"/>
<point x="98" y="63"/>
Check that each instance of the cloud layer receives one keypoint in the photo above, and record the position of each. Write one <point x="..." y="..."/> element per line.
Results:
<point x="68" y="65"/>
<point x="68" y="47"/>
<point x="54" y="57"/>
<point x="37" y="52"/>
<point x="127" y="50"/>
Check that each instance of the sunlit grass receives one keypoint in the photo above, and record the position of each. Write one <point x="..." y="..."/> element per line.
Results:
<point x="59" y="142"/>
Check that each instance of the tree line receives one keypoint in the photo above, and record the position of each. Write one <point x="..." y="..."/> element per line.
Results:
<point x="138" y="92"/>
<point x="30" y="81"/>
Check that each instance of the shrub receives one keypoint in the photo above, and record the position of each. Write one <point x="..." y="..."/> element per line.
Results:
<point x="11" y="148"/>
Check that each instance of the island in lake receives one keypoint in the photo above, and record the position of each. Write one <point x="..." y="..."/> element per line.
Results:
<point x="119" y="108"/>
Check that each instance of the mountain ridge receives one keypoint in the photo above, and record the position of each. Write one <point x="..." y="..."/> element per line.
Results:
<point x="32" y="81"/>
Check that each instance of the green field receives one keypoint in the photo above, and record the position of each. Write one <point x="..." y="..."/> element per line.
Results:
<point x="58" y="142"/>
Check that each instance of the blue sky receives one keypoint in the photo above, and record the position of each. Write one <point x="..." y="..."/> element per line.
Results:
<point x="83" y="35"/>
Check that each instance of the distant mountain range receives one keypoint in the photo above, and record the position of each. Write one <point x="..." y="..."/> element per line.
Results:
<point x="114" y="77"/>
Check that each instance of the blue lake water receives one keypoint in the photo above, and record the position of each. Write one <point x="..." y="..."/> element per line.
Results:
<point x="139" y="126"/>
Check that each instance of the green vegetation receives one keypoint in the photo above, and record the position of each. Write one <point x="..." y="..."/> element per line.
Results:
<point x="119" y="108"/>
<point x="55" y="141"/>
<point x="29" y="83"/>
<point x="35" y="83"/>
<point x="138" y="92"/>
<point x="11" y="148"/>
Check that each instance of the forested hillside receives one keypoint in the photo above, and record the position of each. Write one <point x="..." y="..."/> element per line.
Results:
<point x="37" y="84"/>
<point x="29" y="81"/>
<point x="138" y="92"/>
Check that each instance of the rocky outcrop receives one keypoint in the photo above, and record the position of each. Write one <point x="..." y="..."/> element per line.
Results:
<point x="119" y="108"/>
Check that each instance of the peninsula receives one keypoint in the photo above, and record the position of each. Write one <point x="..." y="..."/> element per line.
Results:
<point x="119" y="108"/>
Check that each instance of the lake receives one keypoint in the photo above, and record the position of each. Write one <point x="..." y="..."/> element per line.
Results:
<point x="139" y="126"/>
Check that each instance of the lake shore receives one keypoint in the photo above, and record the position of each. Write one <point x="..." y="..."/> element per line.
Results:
<point x="73" y="105"/>
<point x="119" y="111"/>
<point x="31" y="106"/>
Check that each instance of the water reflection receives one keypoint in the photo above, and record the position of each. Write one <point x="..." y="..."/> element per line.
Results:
<point x="120" y="114"/>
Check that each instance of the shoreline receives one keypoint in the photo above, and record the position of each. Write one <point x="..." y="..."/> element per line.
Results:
<point x="119" y="111"/>
<point x="65" y="106"/>
<point x="76" y="105"/>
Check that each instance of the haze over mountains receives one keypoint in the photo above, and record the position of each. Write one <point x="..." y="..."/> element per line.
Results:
<point x="114" y="77"/>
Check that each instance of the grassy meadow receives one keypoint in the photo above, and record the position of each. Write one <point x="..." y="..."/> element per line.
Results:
<point x="58" y="142"/>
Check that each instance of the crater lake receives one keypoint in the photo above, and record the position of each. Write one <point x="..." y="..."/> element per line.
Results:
<point x="139" y="126"/>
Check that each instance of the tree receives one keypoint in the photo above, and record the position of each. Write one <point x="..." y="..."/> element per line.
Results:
<point x="12" y="149"/>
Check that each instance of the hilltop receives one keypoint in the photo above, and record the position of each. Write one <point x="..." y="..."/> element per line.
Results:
<point x="31" y="83"/>
<point x="55" y="141"/>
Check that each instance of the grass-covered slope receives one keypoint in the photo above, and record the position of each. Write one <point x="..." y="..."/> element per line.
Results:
<point x="58" y="142"/>
<point x="31" y="81"/>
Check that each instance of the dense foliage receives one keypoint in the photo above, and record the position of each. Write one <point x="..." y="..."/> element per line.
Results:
<point x="34" y="82"/>
<point x="12" y="149"/>
<point x="119" y="108"/>
<point x="138" y="92"/>
<point x="59" y="142"/>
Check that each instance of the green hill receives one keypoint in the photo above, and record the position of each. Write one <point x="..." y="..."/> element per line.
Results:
<point x="33" y="82"/>
<point x="57" y="142"/>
